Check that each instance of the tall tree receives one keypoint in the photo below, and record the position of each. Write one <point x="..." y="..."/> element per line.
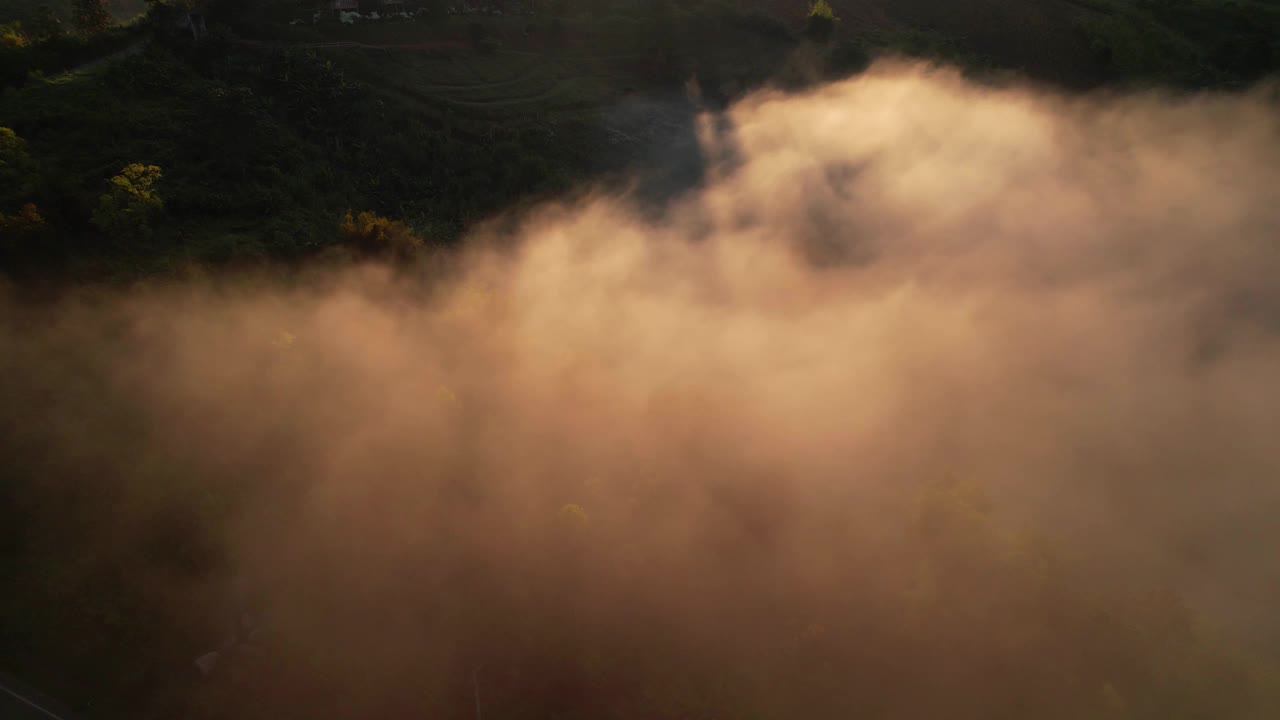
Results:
<point x="92" y="16"/>
<point x="821" y="22"/>
<point x="45" y="22"/>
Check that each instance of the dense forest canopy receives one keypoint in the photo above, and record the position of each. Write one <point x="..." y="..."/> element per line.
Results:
<point x="28" y="9"/>
<point x="262" y="149"/>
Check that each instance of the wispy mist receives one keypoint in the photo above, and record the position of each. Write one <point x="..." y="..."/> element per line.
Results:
<point x="889" y="290"/>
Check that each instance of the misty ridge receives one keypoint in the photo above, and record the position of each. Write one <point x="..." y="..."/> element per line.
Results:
<point x="932" y="400"/>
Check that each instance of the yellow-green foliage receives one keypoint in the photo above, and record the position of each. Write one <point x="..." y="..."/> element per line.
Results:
<point x="447" y="397"/>
<point x="12" y="36"/>
<point x="822" y="9"/>
<point x="821" y="22"/>
<point x="573" y="516"/>
<point x="130" y="201"/>
<point x="17" y="170"/>
<point x="24" y="223"/>
<point x="285" y="340"/>
<point x="14" y="159"/>
<point x="377" y="236"/>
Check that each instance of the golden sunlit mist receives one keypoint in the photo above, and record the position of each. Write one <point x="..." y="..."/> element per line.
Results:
<point x="840" y="433"/>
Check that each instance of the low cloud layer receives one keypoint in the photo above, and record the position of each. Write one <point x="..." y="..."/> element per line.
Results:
<point x="888" y="285"/>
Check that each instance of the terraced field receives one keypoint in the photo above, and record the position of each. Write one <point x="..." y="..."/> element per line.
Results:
<point x="601" y="78"/>
<point x="513" y="88"/>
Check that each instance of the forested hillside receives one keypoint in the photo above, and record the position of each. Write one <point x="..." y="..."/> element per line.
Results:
<point x="27" y="10"/>
<point x="261" y="149"/>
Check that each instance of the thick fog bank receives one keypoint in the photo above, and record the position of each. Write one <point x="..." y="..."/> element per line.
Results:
<point x="906" y="325"/>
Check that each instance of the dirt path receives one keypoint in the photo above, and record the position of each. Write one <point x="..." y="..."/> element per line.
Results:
<point x="557" y="88"/>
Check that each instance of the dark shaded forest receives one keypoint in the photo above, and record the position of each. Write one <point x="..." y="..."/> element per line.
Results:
<point x="261" y="148"/>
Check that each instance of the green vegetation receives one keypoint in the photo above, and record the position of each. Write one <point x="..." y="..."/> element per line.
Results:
<point x="1186" y="42"/>
<point x="130" y="204"/>
<point x="24" y="226"/>
<point x="15" y="162"/>
<point x="270" y="142"/>
<point x="63" y="10"/>
<point x="12" y="37"/>
<point x="263" y="146"/>
<point x="91" y="16"/>
<point x="29" y="54"/>
<point x="821" y="21"/>
<point x="376" y="236"/>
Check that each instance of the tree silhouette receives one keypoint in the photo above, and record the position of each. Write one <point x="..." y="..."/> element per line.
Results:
<point x="821" y="23"/>
<point x="91" y="16"/>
